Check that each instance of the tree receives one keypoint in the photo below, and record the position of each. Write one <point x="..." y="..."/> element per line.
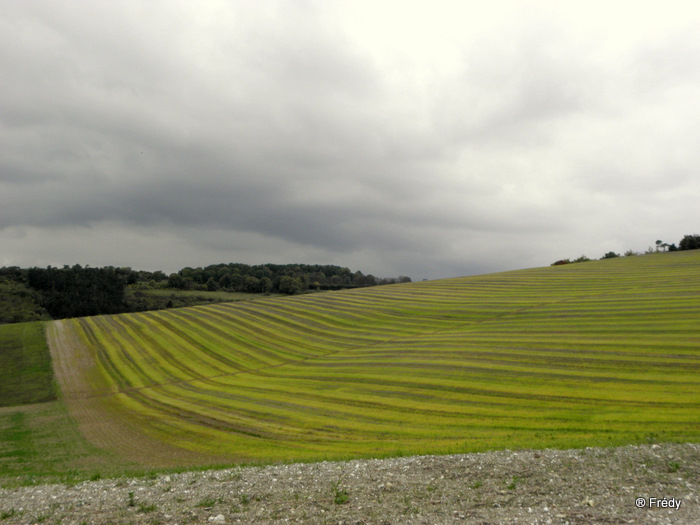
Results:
<point x="175" y="280"/>
<point x="689" y="242"/>
<point x="251" y="284"/>
<point x="265" y="285"/>
<point x="289" y="285"/>
<point x="226" y="281"/>
<point x="77" y="291"/>
<point x="359" y="279"/>
<point x="662" y="245"/>
<point x="610" y="255"/>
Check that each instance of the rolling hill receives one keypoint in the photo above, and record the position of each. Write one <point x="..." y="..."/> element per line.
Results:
<point x="599" y="353"/>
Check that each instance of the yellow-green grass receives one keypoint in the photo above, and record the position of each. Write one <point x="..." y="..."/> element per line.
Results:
<point x="598" y="353"/>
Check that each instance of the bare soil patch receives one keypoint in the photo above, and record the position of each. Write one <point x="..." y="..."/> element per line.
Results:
<point x="594" y="485"/>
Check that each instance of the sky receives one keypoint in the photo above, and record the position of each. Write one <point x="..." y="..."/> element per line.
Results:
<point x="429" y="139"/>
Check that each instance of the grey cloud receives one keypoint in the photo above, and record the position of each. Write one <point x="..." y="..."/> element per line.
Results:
<point x="513" y="93"/>
<point x="282" y="132"/>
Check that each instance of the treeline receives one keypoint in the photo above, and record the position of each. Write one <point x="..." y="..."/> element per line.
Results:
<point x="273" y="278"/>
<point x="44" y="293"/>
<point x="19" y="303"/>
<point x="40" y="293"/>
<point x="688" y="242"/>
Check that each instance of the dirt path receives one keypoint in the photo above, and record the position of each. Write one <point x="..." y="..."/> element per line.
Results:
<point x="101" y="420"/>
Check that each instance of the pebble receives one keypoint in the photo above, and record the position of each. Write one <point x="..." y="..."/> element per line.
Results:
<point x="428" y="489"/>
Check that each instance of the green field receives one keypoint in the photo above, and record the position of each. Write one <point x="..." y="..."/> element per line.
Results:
<point x="598" y="353"/>
<point x="25" y="365"/>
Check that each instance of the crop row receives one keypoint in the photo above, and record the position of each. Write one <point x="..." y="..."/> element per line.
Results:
<point x="597" y="353"/>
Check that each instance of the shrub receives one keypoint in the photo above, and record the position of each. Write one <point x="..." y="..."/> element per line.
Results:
<point x="560" y="262"/>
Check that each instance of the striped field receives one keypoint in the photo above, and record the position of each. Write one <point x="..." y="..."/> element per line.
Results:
<point x="598" y="353"/>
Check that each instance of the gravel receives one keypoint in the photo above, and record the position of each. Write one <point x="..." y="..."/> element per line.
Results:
<point x="580" y="486"/>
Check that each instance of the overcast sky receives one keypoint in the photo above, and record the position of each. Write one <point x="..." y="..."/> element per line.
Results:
<point x="429" y="139"/>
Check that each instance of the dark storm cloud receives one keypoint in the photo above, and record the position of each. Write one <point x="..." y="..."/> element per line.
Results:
<point x="433" y="139"/>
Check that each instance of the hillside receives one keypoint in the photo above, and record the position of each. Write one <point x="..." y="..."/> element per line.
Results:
<point x="600" y="353"/>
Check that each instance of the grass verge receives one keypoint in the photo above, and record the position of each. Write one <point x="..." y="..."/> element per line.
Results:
<point x="40" y="443"/>
<point x="25" y="365"/>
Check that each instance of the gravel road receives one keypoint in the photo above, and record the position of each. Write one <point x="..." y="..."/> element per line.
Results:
<point x="594" y="485"/>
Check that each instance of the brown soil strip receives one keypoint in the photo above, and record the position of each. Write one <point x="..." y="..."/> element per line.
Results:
<point x="101" y="420"/>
